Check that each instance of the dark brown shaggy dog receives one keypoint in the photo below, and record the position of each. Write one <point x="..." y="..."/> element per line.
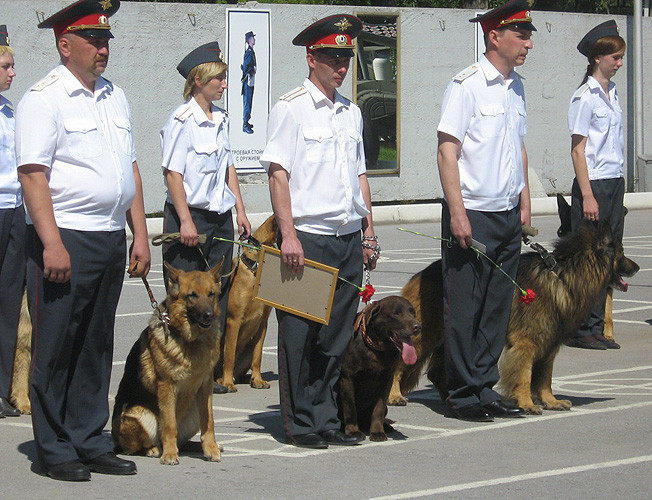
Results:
<point x="384" y="332"/>
<point x="246" y="318"/>
<point x="166" y="393"/>
<point x="586" y="262"/>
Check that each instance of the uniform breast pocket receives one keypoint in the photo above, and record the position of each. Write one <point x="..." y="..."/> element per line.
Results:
<point x="521" y="116"/>
<point x="206" y="157"/>
<point x="82" y="138"/>
<point x="353" y="145"/>
<point x="601" y="119"/>
<point x="319" y="144"/>
<point x="492" y="120"/>
<point x="123" y="135"/>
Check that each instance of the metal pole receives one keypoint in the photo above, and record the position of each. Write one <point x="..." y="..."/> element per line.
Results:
<point x="638" y="94"/>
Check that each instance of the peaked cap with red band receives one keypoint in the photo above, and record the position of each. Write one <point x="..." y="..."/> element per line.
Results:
<point x="515" y="14"/>
<point x="85" y="17"/>
<point x="332" y="35"/>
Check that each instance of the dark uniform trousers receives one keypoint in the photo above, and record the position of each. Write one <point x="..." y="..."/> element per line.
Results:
<point x="477" y="304"/>
<point x="310" y="354"/>
<point x="609" y="193"/>
<point x="187" y="258"/>
<point x="73" y="328"/>
<point x="12" y="279"/>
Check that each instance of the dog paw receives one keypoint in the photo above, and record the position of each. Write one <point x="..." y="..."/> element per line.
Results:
<point x="358" y="434"/>
<point x="259" y="384"/>
<point x="558" y="405"/>
<point x="231" y="388"/>
<point x="377" y="436"/>
<point x="170" y="459"/>
<point x="153" y="452"/>
<point x="212" y="452"/>
<point x="397" y="401"/>
<point x="532" y="409"/>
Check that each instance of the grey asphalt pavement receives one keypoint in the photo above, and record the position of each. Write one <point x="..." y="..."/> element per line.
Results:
<point x="601" y="448"/>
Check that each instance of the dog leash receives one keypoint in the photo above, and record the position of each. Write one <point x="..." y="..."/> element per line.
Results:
<point x="176" y="238"/>
<point x="162" y="315"/>
<point x="547" y="257"/>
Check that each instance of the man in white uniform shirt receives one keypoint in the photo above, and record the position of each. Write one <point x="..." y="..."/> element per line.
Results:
<point x="321" y="198"/>
<point x="77" y="166"/>
<point x="483" y="169"/>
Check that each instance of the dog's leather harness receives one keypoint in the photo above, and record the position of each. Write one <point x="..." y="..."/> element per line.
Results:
<point x="360" y="326"/>
<point x="547" y="257"/>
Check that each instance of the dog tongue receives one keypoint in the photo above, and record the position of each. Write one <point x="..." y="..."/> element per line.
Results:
<point x="409" y="354"/>
<point x="624" y="285"/>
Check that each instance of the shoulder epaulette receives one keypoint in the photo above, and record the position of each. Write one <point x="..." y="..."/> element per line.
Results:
<point x="580" y="91"/>
<point x="48" y="80"/>
<point x="293" y="93"/>
<point x="464" y="74"/>
<point x="183" y="113"/>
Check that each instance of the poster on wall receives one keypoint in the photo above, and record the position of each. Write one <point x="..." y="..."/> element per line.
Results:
<point x="248" y="54"/>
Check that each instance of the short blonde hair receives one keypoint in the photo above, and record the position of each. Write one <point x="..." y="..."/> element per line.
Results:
<point x="204" y="72"/>
<point x="6" y="49"/>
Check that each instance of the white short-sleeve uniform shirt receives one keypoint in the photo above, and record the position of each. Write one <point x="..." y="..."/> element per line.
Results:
<point x="600" y="119"/>
<point x="486" y="113"/>
<point x="85" y="140"/>
<point x="319" y="143"/>
<point x="10" y="194"/>
<point x="199" y="150"/>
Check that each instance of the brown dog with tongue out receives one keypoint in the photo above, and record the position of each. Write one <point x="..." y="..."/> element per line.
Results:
<point x="383" y="337"/>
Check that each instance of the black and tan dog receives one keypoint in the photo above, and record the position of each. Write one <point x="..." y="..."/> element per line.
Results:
<point x="165" y="395"/>
<point x="384" y="331"/>
<point x="586" y="262"/>
<point x="246" y="318"/>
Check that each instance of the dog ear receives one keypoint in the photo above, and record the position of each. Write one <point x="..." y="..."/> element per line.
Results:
<point x="606" y="237"/>
<point x="216" y="272"/>
<point x="173" y="279"/>
<point x="564" y="211"/>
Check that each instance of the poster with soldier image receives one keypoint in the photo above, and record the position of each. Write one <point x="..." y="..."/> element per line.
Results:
<point x="248" y="53"/>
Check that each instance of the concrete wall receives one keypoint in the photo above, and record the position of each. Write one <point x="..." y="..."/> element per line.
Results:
<point x="435" y="44"/>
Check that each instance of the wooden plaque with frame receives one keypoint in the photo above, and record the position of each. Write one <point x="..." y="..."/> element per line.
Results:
<point x="308" y="294"/>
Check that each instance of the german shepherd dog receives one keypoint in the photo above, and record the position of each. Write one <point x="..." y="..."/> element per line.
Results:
<point x="246" y="318"/>
<point x="166" y="393"/>
<point x="383" y="336"/>
<point x="586" y="263"/>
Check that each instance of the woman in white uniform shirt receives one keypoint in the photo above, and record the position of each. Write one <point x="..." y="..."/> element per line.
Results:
<point x="199" y="173"/>
<point x="595" y="119"/>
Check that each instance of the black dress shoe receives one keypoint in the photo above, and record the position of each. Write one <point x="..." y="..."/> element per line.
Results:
<point x="471" y="413"/>
<point x="337" y="437"/>
<point x="501" y="409"/>
<point x="586" y="342"/>
<point x="8" y="410"/>
<point x="310" y="440"/>
<point x="70" y="471"/>
<point x="611" y="344"/>
<point x="110" y="464"/>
